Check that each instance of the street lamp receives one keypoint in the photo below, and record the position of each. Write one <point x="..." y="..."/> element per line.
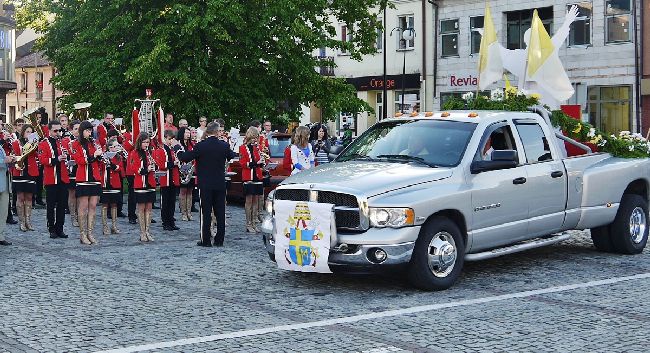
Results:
<point x="407" y="35"/>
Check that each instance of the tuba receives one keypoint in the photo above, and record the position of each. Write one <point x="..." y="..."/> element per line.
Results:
<point x="30" y="146"/>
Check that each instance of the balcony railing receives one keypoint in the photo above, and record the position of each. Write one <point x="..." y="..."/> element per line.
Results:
<point x="325" y="70"/>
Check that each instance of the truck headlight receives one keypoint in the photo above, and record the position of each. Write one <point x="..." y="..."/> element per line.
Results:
<point x="268" y="204"/>
<point x="391" y="217"/>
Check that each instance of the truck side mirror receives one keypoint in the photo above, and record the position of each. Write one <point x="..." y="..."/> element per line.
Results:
<point x="501" y="159"/>
<point x="334" y="152"/>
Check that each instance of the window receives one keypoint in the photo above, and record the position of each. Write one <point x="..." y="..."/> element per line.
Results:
<point x="475" y="23"/>
<point x="346" y="37"/>
<point x="535" y="143"/>
<point x="497" y="137"/>
<point x="610" y="108"/>
<point x="23" y="82"/>
<point x="411" y="100"/>
<point x="617" y="20"/>
<point x="581" y="28"/>
<point x="405" y="22"/>
<point x="39" y="85"/>
<point x="449" y="35"/>
<point x="379" y="44"/>
<point x="519" y="21"/>
<point x="379" y="106"/>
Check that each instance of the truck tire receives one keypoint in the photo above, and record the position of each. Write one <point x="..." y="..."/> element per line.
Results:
<point x="629" y="231"/>
<point x="602" y="239"/>
<point x="438" y="255"/>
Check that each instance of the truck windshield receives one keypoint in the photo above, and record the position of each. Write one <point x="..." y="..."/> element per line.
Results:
<point x="429" y="142"/>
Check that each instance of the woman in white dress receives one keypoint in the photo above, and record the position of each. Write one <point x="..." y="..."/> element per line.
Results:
<point x="302" y="155"/>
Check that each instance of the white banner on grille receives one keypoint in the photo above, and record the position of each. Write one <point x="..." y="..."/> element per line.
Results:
<point x="303" y="235"/>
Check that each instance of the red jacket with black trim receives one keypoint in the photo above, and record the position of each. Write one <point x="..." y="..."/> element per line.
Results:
<point x="250" y="163"/>
<point x="30" y="163"/>
<point x="143" y="179"/>
<point x="50" y="163"/>
<point x="86" y="163"/>
<point x="112" y="173"/>
<point x="166" y="160"/>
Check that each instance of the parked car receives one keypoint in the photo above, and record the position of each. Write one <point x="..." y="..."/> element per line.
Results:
<point x="277" y="144"/>
<point x="428" y="193"/>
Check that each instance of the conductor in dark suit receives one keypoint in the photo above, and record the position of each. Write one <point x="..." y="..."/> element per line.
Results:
<point x="211" y="155"/>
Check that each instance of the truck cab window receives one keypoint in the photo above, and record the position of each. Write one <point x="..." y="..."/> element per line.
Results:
<point x="496" y="138"/>
<point x="535" y="143"/>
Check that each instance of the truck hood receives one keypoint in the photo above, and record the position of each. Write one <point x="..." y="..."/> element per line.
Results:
<point x="366" y="177"/>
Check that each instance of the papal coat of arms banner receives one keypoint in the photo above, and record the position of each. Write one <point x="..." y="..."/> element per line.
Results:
<point x="302" y="235"/>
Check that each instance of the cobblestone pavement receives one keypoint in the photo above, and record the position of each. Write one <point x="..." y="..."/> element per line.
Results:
<point x="59" y="296"/>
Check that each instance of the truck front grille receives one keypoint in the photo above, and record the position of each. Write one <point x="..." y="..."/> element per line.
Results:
<point x="346" y="206"/>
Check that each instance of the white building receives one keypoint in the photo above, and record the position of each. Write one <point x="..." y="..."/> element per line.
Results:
<point x="599" y="55"/>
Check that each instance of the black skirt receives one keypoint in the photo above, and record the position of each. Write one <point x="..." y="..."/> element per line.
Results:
<point x="24" y="184"/>
<point x="88" y="189"/>
<point x="145" y="195"/>
<point x="110" y="196"/>
<point x="253" y="188"/>
<point x="189" y="185"/>
<point x="72" y="184"/>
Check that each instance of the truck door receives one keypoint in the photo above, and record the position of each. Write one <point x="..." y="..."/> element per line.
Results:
<point x="499" y="197"/>
<point x="546" y="179"/>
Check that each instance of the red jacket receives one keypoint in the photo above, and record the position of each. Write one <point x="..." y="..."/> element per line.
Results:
<point x="86" y="163"/>
<point x="128" y="147"/>
<point x="31" y="165"/>
<point x="166" y="160"/>
<point x="102" y="131"/>
<point x="112" y="173"/>
<point x="46" y="157"/>
<point x="144" y="179"/>
<point x="250" y="163"/>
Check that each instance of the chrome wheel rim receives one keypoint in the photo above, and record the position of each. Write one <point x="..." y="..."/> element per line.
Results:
<point x="442" y="254"/>
<point x="637" y="225"/>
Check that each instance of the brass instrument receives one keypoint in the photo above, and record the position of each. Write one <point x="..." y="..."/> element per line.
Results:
<point x="30" y="146"/>
<point x="81" y="111"/>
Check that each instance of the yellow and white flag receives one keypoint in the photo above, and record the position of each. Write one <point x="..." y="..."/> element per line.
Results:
<point x="490" y="66"/>
<point x="544" y="65"/>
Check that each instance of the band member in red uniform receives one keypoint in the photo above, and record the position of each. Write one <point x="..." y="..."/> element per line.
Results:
<point x="112" y="173"/>
<point x="103" y="128"/>
<point x="128" y="147"/>
<point x="168" y="164"/>
<point x="87" y="155"/>
<point x="24" y="183"/>
<point x="55" y="178"/>
<point x="143" y="166"/>
<point x="66" y="144"/>
<point x="251" y="175"/>
<point x="185" y="192"/>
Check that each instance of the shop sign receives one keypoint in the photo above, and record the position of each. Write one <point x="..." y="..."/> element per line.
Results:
<point x="457" y="81"/>
<point x="376" y="83"/>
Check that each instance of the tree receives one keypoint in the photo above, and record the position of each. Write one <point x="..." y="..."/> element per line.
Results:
<point x="220" y="58"/>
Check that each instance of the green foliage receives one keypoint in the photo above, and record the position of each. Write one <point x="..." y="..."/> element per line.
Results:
<point x="239" y="60"/>
<point x="511" y="102"/>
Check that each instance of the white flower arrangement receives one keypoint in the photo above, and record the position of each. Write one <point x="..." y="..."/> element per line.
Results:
<point x="496" y="95"/>
<point x="468" y="96"/>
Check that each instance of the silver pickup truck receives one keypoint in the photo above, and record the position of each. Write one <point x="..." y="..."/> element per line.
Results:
<point x="429" y="192"/>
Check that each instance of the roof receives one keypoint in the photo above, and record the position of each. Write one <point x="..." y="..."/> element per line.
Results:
<point x="36" y="59"/>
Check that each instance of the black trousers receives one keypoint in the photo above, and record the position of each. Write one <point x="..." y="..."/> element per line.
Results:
<point x="38" y="195"/>
<point x="131" y="200"/>
<point x="56" y="198"/>
<point x="212" y="200"/>
<point x="167" y="204"/>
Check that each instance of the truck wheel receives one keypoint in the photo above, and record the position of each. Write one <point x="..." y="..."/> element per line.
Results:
<point x="602" y="239"/>
<point x="438" y="255"/>
<point x="629" y="231"/>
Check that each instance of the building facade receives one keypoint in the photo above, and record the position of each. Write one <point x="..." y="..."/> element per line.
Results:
<point x="35" y="89"/>
<point x="600" y="56"/>
<point x="7" y="54"/>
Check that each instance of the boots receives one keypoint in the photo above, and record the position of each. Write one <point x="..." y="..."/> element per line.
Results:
<point x="21" y="217"/>
<point x="28" y="217"/>
<point x="188" y="205"/>
<point x="147" y="222"/>
<point x="250" y="227"/>
<point x="143" y="227"/>
<point x="114" y="229"/>
<point x="183" y="205"/>
<point x="105" y="229"/>
<point x="90" y="226"/>
<point x="73" y="213"/>
<point x="83" y="231"/>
